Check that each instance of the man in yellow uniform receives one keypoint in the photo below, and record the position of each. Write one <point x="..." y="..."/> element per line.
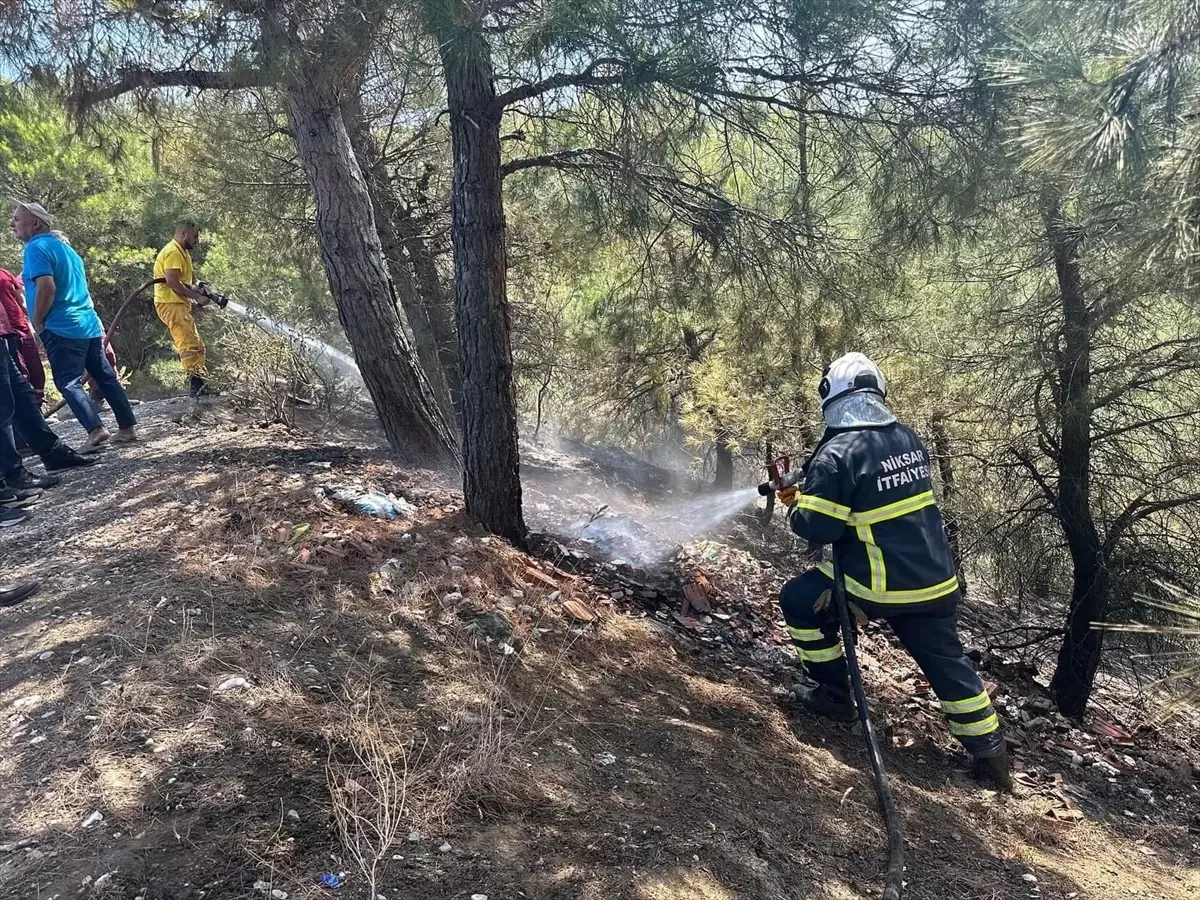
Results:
<point x="173" y="300"/>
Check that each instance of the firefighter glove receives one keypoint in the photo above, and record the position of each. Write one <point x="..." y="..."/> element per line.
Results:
<point x="822" y="604"/>
<point x="823" y="601"/>
<point x="787" y="496"/>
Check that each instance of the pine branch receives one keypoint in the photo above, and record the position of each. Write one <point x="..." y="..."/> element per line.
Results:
<point x="141" y="79"/>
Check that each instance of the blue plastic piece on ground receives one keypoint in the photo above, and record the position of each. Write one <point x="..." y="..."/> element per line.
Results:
<point x="380" y="506"/>
<point x="332" y="880"/>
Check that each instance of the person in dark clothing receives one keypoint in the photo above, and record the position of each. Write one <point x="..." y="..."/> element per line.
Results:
<point x="19" y="486"/>
<point x="15" y="328"/>
<point x="867" y="491"/>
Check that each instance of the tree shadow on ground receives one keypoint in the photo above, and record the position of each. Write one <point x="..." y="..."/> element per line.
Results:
<point x="712" y="790"/>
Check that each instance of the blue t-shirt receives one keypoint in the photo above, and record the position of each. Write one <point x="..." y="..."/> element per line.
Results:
<point x="72" y="315"/>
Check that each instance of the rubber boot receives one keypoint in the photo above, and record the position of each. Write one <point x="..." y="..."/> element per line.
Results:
<point x="201" y="389"/>
<point x="826" y="701"/>
<point x="996" y="769"/>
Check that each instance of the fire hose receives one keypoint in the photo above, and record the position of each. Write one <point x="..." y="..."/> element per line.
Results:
<point x="894" y="882"/>
<point x="220" y="299"/>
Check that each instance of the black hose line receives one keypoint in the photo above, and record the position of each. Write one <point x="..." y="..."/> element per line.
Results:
<point x="887" y="804"/>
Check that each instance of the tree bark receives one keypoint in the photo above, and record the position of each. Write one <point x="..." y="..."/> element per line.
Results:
<point x="358" y="279"/>
<point x="385" y="206"/>
<point x="491" y="460"/>
<point x="770" y="508"/>
<point x="438" y="306"/>
<point x="942" y="450"/>
<point x="724" y="474"/>
<point x="1079" y="655"/>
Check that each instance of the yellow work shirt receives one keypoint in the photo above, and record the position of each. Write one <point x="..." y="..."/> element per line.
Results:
<point x="172" y="256"/>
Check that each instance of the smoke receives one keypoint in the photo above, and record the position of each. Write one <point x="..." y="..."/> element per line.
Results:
<point x="649" y="540"/>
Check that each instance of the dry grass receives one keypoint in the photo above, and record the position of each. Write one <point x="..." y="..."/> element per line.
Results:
<point x="374" y="709"/>
<point x="369" y="786"/>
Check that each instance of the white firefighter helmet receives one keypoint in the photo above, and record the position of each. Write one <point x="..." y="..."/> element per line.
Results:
<point x="851" y="374"/>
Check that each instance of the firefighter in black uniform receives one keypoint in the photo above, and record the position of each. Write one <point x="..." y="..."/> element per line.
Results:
<point x="867" y="491"/>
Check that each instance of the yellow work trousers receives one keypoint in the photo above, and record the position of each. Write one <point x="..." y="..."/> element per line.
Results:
<point x="179" y="320"/>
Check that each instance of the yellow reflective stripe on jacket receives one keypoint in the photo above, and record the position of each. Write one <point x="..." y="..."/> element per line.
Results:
<point x="970" y="705"/>
<point x="820" y="656"/>
<point x="806" y="634"/>
<point x="975" y="729"/>
<point x="921" y="595"/>
<point x="821" y="505"/>
<point x="892" y="510"/>
<point x="874" y="559"/>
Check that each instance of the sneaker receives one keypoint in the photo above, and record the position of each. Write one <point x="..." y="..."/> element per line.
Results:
<point x="19" y="594"/>
<point x="29" y="481"/>
<point x="10" y="517"/>
<point x="14" y="498"/>
<point x="63" y="457"/>
<point x="996" y="769"/>
<point x="826" y="701"/>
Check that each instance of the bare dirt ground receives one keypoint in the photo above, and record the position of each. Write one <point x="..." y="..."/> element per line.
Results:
<point x="232" y="685"/>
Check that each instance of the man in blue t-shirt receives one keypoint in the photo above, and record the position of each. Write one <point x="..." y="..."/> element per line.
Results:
<point x="61" y="312"/>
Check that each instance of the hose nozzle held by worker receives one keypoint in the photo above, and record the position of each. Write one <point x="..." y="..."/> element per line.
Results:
<point x="218" y="298"/>
<point x="784" y="481"/>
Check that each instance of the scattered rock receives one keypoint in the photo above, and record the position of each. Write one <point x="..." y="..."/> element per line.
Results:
<point x="445" y="848"/>
<point x="293" y="815"/>
<point x="492" y="626"/>
<point x="451" y="599"/>
<point x="277" y="894"/>
<point x="124" y="865"/>
<point x="605" y="758"/>
<point x="1029" y="877"/>
<point x="95" y="818"/>
<point x="479" y="897"/>
<point x="414" y="837"/>
<point x="37" y="739"/>
<point x="1039" y="705"/>
<point x="101" y="883"/>
<point x="232" y="683"/>
<point x="42" y="657"/>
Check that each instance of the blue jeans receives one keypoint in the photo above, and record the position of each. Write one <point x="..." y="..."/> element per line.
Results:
<point x="70" y="360"/>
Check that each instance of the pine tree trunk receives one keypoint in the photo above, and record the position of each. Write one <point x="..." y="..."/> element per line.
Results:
<point x="765" y="517"/>
<point x="724" y="475"/>
<point x="942" y="450"/>
<point x="491" y="462"/>
<point x="358" y="279"/>
<point x="1079" y="656"/>
<point x="438" y="306"/>
<point x="385" y="205"/>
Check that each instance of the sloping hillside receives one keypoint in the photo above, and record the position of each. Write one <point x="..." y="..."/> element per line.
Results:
<point x="232" y="684"/>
